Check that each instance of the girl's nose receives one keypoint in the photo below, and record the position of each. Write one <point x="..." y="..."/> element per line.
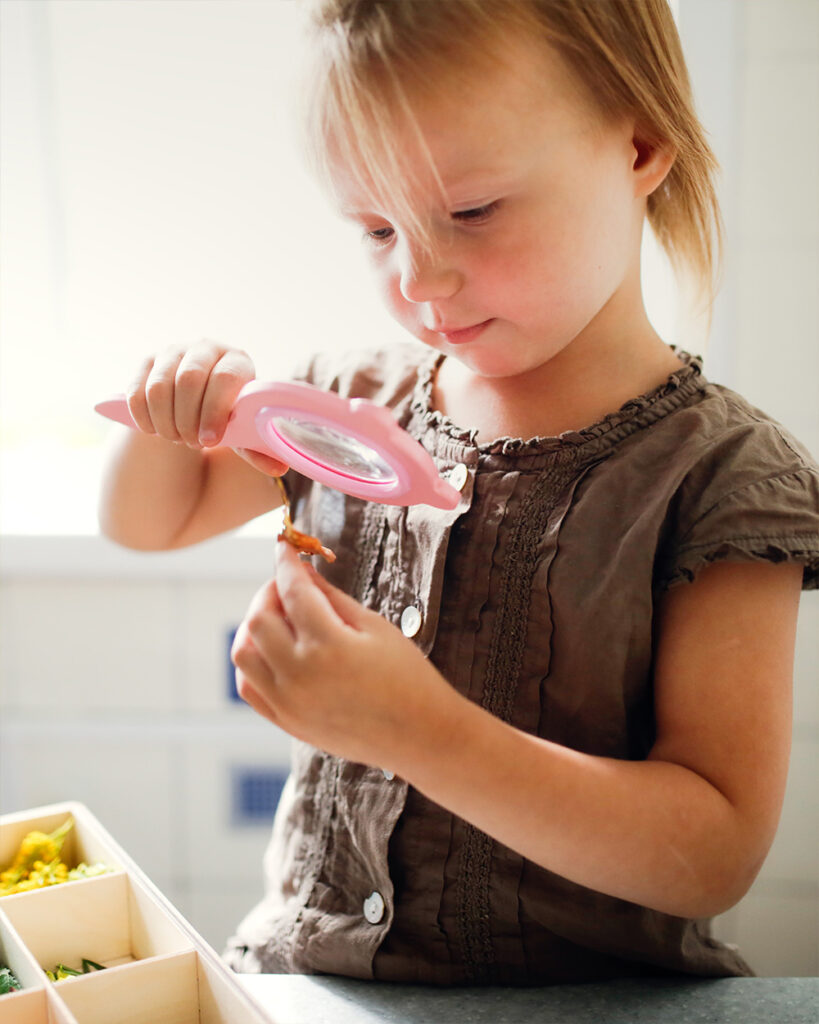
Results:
<point x="427" y="275"/>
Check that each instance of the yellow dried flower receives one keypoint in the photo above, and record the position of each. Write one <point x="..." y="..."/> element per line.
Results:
<point x="38" y="863"/>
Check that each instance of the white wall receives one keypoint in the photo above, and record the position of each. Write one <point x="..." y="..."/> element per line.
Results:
<point x="755" y="68"/>
<point x="115" y="692"/>
<point x="152" y="193"/>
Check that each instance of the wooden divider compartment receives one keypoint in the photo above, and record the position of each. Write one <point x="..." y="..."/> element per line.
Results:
<point x="106" y="919"/>
<point x="28" y="1005"/>
<point x="24" y="1008"/>
<point x="157" y="967"/>
<point x="178" y="989"/>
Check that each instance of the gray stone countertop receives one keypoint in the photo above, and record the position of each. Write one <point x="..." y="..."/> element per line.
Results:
<point x="305" y="999"/>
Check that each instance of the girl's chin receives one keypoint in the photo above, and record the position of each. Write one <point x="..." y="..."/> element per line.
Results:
<point x="489" y="363"/>
<point x="485" y="356"/>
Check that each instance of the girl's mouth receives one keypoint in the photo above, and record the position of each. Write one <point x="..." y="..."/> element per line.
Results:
<point x="462" y="335"/>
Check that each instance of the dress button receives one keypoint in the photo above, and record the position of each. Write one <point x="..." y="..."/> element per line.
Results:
<point x="459" y="476"/>
<point x="410" y="620"/>
<point x="374" y="907"/>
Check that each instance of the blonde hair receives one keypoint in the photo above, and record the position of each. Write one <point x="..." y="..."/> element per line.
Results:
<point x="372" y="55"/>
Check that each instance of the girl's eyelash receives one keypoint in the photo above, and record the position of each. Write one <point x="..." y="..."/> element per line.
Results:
<point x="473" y="215"/>
<point x="476" y="214"/>
<point x="379" y="236"/>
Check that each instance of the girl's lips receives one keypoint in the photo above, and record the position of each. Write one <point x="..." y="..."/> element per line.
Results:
<point x="461" y="335"/>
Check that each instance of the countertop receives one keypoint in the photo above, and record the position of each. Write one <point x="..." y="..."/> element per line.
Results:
<point x="304" y="999"/>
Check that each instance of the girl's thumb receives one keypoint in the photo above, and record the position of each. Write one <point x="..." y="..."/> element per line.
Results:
<point x="264" y="463"/>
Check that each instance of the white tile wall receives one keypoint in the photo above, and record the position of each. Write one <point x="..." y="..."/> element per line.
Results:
<point x="214" y="845"/>
<point x="120" y="771"/>
<point x="109" y="647"/>
<point x="215" y="911"/>
<point x="115" y="693"/>
<point x="207" y="612"/>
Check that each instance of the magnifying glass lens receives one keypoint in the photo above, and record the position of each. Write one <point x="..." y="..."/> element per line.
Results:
<point x="332" y="449"/>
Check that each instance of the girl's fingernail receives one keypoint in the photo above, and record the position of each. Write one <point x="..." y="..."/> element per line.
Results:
<point x="207" y="437"/>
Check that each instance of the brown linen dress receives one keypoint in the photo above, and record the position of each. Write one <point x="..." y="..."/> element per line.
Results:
<point x="535" y="598"/>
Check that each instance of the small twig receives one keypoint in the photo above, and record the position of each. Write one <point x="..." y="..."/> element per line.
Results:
<point x="302" y="542"/>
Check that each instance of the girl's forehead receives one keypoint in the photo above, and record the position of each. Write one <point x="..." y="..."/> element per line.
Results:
<point x="469" y="134"/>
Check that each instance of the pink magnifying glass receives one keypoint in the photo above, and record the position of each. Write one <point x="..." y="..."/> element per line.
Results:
<point x="351" y="444"/>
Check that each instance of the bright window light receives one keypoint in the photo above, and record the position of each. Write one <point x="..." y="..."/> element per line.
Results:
<point x="153" y="194"/>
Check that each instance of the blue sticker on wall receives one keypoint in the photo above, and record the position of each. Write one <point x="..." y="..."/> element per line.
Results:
<point x="232" y="692"/>
<point x="256" y="792"/>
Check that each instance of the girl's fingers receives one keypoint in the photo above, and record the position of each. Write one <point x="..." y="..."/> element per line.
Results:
<point x="264" y="463"/>
<point x="191" y="380"/>
<point x="306" y="606"/>
<point x="254" y="675"/>
<point x="159" y="393"/>
<point x="187" y="395"/>
<point x="137" y="401"/>
<point x="266" y="628"/>
<point x="252" y="699"/>
<point x="227" y="376"/>
<point x="346" y="607"/>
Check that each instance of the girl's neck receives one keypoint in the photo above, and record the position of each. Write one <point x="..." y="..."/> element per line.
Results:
<point x="576" y="388"/>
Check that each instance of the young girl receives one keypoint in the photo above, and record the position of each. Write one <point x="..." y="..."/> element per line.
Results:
<point x="543" y="737"/>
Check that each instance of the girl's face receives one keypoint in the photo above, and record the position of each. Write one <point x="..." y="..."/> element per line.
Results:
<point x="536" y="238"/>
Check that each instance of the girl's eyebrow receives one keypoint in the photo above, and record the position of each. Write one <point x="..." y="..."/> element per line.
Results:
<point x="463" y="185"/>
<point x="470" y="187"/>
<point x="349" y="212"/>
<point x="483" y="185"/>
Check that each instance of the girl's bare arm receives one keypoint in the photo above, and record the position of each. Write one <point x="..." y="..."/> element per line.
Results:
<point x="157" y="495"/>
<point x="686" y="831"/>
<point x="165" y="485"/>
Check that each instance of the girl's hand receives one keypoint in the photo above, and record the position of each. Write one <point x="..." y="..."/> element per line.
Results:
<point x="327" y="670"/>
<point x="186" y="396"/>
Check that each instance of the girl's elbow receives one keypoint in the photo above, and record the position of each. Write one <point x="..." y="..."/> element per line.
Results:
<point x="130" y="532"/>
<point x="723" y="884"/>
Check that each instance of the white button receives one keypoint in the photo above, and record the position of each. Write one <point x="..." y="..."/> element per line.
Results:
<point x="388" y="775"/>
<point x="459" y="476"/>
<point x="410" y="620"/>
<point x="374" y="907"/>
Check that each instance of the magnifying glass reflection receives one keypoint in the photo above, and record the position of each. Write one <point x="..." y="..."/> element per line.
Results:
<point x="335" y="451"/>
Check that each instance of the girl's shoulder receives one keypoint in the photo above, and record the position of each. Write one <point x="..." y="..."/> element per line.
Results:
<point x="746" y="489"/>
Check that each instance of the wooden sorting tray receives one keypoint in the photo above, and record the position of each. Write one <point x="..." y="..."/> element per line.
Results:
<point x="159" y="970"/>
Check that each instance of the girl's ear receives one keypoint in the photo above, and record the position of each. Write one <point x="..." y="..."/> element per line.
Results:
<point x="652" y="162"/>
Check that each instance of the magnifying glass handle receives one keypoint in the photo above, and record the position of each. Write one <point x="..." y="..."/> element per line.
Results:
<point x="240" y="432"/>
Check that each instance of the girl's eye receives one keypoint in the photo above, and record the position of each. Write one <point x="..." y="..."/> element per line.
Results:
<point x="378" y="236"/>
<point x="477" y="214"/>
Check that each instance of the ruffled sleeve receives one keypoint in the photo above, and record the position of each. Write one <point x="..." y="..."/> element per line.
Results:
<point x="775" y="519"/>
<point x="748" y="492"/>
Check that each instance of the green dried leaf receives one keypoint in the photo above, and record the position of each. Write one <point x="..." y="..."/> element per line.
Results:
<point x="8" y="982"/>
